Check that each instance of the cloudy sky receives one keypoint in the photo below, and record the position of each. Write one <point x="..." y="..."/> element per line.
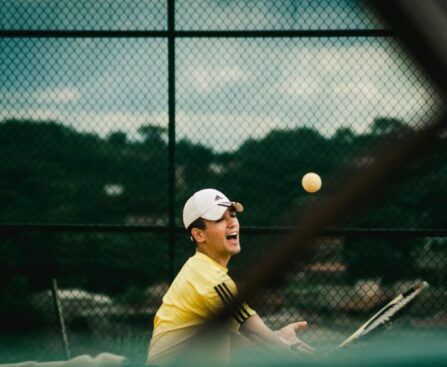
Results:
<point x="227" y="90"/>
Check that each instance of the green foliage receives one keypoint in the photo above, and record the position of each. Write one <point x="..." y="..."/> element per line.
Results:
<point x="272" y="168"/>
<point x="376" y="258"/>
<point x="51" y="173"/>
<point x="16" y="305"/>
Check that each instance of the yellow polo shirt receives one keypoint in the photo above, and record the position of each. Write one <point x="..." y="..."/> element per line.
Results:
<point x="200" y="290"/>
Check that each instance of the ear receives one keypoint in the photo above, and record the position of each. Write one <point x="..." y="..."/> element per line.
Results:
<point x="198" y="235"/>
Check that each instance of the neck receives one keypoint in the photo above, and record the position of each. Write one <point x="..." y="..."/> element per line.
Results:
<point x="221" y="260"/>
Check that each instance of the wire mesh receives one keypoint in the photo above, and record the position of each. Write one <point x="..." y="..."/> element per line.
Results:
<point x="84" y="140"/>
<point x="106" y="298"/>
<point x="83" y="15"/>
<point x="271" y="14"/>
<point x="86" y="122"/>
<point x="110" y="287"/>
<point x="270" y="110"/>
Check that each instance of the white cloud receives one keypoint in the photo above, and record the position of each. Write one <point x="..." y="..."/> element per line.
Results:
<point x="208" y="78"/>
<point x="350" y="85"/>
<point x="104" y="122"/>
<point x="224" y="131"/>
<point x="46" y="96"/>
<point x="286" y="85"/>
<point x="29" y="114"/>
<point x="300" y="87"/>
<point x="101" y="123"/>
<point x="57" y="95"/>
<point x="366" y="90"/>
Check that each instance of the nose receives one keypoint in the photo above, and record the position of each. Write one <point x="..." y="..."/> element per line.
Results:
<point x="232" y="221"/>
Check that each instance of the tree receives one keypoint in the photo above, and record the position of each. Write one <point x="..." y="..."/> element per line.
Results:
<point x="387" y="126"/>
<point x="153" y="134"/>
<point x="117" y="138"/>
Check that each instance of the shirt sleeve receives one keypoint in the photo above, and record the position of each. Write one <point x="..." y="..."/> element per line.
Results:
<point x="226" y="292"/>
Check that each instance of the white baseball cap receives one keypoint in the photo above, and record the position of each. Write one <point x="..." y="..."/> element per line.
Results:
<point x="207" y="204"/>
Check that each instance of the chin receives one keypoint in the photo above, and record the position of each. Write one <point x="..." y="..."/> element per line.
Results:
<point x="235" y="250"/>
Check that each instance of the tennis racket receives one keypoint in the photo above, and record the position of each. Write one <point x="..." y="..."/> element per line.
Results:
<point x="385" y="314"/>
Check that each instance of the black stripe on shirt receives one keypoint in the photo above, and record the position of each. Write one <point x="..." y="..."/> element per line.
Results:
<point x="226" y="300"/>
<point x="240" y="313"/>
<point x="243" y="311"/>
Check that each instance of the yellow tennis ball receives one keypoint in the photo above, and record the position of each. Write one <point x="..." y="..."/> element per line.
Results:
<point x="311" y="182"/>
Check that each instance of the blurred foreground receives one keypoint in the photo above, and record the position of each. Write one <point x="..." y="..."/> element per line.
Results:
<point x="383" y="348"/>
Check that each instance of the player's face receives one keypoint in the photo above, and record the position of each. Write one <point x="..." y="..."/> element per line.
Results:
<point x="222" y="236"/>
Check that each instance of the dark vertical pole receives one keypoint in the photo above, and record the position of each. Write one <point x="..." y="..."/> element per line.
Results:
<point x="171" y="133"/>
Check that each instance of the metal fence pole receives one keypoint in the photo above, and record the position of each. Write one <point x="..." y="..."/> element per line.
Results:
<point x="171" y="133"/>
<point x="60" y="318"/>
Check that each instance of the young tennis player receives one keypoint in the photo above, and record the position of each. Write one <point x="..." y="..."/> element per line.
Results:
<point x="203" y="287"/>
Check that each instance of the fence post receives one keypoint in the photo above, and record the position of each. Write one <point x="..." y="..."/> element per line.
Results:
<point x="171" y="135"/>
<point x="60" y="318"/>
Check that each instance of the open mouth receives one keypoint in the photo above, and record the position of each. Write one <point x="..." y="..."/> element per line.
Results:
<point x="232" y="236"/>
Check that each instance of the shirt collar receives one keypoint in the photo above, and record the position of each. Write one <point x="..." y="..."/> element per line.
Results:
<point x="203" y="256"/>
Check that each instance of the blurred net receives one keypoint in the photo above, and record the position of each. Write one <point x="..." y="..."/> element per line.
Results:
<point x="84" y="140"/>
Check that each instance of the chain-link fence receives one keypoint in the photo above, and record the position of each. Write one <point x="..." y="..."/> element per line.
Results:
<point x="113" y="113"/>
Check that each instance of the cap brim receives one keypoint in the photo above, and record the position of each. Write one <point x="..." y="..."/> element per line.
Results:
<point x="218" y="211"/>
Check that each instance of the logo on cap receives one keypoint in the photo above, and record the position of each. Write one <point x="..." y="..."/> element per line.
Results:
<point x="217" y="198"/>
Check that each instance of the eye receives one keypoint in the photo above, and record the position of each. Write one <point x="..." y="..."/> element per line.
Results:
<point x="233" y="214"/>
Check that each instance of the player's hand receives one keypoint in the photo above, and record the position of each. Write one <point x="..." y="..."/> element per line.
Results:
<point x="288" y="335"/>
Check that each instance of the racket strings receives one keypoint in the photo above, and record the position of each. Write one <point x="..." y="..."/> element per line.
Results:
<point x="385" y="315"/>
